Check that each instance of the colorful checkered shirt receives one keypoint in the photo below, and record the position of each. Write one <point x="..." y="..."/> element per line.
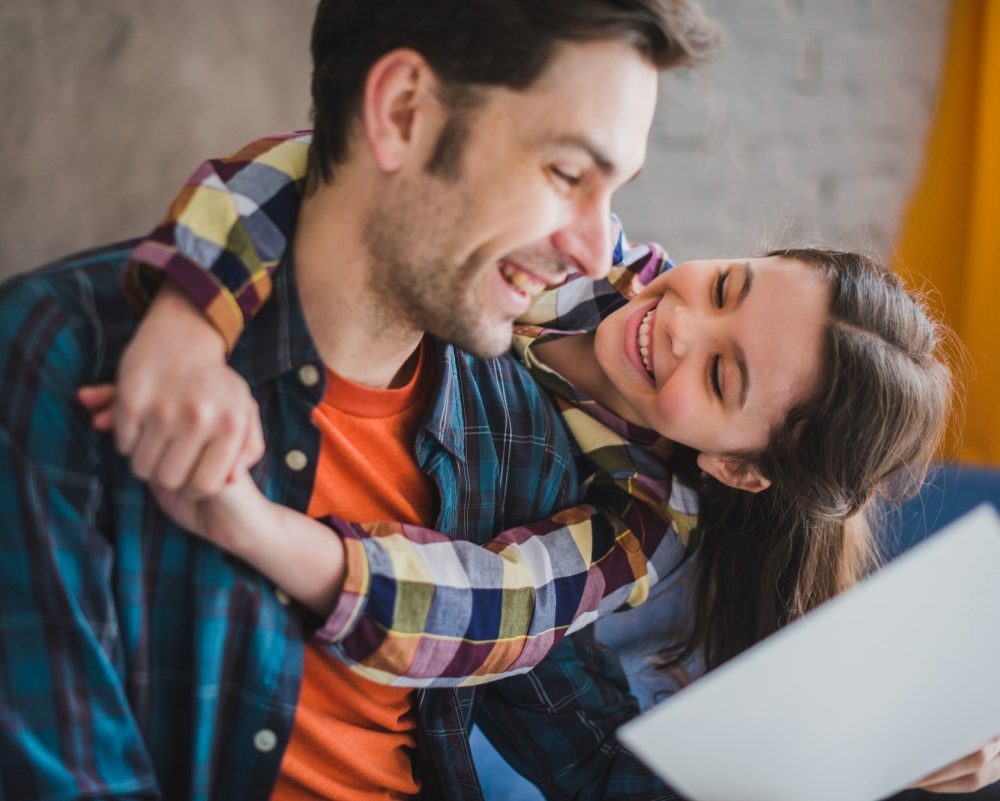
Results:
<point x="419" y="608"/>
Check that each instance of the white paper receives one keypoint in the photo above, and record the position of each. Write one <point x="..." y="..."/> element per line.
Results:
<point x="865" y="695"/>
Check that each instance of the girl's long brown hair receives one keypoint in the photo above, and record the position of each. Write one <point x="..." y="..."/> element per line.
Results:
<point x="869" y="430"/>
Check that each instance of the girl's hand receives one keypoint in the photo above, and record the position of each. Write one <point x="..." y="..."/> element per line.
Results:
<point x="173" y="450"/>
<point x="184" y="418"/>
<point x="301" y="556"/>
<point x="238" y="519"/>
<point x="968" y="774"/>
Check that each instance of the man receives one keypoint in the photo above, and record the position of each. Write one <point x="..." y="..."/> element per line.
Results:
<point x="464" y="151"/>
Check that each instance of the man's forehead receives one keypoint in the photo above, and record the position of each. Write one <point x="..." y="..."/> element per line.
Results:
<point x="598" y="97"/>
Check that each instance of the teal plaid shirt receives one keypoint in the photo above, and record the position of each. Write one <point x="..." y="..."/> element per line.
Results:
<point x="140" y="662"/>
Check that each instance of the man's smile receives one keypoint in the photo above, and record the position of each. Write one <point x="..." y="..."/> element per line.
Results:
<point x="525" y="282"/>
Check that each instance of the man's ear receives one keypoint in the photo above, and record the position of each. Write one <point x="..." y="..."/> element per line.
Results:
<point x="733" y="473"/>
<point x="399" y="94"/>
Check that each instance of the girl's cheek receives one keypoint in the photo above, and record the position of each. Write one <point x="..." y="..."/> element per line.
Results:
<point x="676" y="407"/>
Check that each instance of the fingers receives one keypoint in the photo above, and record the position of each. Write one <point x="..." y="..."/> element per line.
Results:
<point x="253" y="449"/>
<point x="96" y="396"/>
<point x="253" y="445"/>
<point x="198" y="453"/>
<point x="197" y="449"/>
<point x="150" y="447"/>
<point x="967" y="774"/>
<point x="104" y="420"/>
<point x="182" y="416"/>
<point x="128" y="422"/>
<point x="99" y="401"/>
<point x="180" y="459"/>
<point x="218" y="461"/>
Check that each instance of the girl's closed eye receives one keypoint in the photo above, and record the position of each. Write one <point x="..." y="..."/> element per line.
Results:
<point x="716" y="383"/>
<point x="720" y="287"/>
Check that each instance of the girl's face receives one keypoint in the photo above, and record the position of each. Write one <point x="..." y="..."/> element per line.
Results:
<point x="714" y="353"/>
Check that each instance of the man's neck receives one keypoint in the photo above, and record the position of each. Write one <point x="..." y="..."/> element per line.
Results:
<point x="356" y="334"/>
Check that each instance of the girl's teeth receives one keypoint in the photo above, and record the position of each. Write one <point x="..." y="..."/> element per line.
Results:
<point x="643" y="340"/>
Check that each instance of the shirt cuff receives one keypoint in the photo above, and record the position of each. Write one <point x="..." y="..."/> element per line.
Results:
<point x="152" y="262"/>
<point x="354" y="595"/>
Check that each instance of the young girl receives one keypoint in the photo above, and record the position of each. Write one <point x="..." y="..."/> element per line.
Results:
<point x="773" y="397"/>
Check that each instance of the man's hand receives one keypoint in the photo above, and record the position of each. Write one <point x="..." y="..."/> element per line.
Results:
<point x="185" y="419"/>
<point x="968" y="774"/>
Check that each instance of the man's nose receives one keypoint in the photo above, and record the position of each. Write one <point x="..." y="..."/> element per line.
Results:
<point x="586" y="241"/>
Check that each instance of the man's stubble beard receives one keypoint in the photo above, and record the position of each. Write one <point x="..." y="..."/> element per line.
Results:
<point x="415" y="284"/>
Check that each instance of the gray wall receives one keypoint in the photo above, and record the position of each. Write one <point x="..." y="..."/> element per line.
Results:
<point x="109" y="104"/>
<point x="809" y="126"/>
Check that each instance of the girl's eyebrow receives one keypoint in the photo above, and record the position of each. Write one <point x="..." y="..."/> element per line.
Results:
<point x="747" y="283"/>
<point x="741" y="365"/>
<point x="740" y="356"/>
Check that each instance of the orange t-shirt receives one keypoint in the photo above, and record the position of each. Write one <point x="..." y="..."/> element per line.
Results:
<point x="352" y="739"/>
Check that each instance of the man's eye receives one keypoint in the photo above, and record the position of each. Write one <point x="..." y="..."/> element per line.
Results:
<point x="716" y="384"/>
<point x="565" y="177"/>
<point x="720" y="286"/>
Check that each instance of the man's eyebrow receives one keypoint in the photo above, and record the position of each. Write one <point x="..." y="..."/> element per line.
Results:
<point x="604" y="164"/>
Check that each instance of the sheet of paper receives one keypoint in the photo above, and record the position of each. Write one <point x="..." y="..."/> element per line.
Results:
<point x="867" y="694"/>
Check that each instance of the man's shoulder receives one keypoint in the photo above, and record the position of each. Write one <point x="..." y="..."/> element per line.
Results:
<point x="59" y="315"/>
<point x="88" y="274"/>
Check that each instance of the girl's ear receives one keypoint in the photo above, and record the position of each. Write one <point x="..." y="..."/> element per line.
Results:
<point x="733" y="473"/>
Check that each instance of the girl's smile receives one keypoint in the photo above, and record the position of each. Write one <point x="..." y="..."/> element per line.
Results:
<point x="713" y="354"/>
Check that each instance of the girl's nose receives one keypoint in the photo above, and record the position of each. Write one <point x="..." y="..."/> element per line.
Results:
<point x="680" y="329"/>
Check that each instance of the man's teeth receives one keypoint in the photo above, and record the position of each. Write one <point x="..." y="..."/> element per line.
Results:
<point x="521" y="281"/>
<point x="644" y="339"/>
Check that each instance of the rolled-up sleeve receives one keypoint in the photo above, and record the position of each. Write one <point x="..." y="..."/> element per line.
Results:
<point x="226" y="232"/>
<point x="422" y="609"/>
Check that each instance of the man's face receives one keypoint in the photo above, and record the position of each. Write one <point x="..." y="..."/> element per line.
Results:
<point x="461" y="256"/>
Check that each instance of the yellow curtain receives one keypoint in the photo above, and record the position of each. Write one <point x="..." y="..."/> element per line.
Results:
<point x="951" y="233"/>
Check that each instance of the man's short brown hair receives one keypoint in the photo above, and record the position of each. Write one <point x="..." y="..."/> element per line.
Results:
<point x="471" y="43"/>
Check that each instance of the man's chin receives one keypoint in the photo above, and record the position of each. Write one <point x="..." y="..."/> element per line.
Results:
<point x="484" y="342"/>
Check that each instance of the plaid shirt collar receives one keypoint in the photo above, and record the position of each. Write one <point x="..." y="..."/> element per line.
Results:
<point x="279" y="342"/>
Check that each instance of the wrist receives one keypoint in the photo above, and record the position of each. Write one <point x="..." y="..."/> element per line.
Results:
<point x="175" y="311"/>
<point x="257" y="533"/>
<point x="307" y="560"/>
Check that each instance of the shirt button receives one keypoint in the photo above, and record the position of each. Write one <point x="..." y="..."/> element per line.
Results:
<point x="282" y="596"/>
<point x="265" y="740"/>
<point x="296" y="460"/>
<point x="309" y="375"/>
